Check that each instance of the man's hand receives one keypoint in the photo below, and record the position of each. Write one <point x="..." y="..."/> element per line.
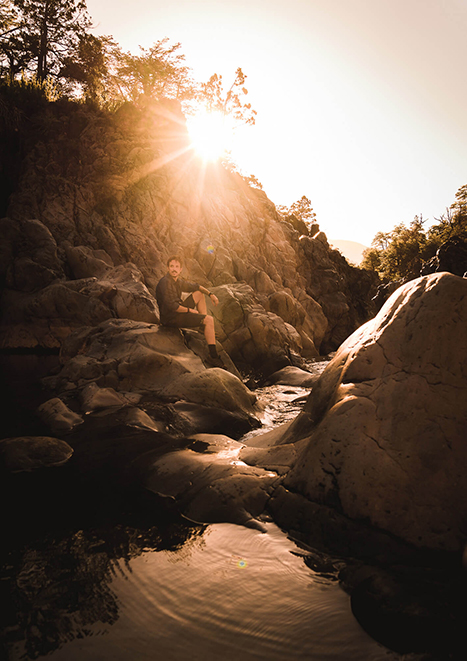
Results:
<point x="214" y="299"/>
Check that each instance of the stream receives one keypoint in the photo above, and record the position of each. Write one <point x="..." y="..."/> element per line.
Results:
<point x="157" y="587"/>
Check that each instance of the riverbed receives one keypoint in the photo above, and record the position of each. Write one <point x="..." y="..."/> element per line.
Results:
<point x="160" y="587"/>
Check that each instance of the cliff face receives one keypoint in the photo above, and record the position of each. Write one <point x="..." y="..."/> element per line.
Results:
<point x="102" y="201"/>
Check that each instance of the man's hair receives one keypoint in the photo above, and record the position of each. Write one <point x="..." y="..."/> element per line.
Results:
<point x="175" y="258"/>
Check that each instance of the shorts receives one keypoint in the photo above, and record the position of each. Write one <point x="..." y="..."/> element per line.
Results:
<point x="187" y="319"/>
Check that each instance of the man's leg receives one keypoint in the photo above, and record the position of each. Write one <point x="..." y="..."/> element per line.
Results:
<point x="200" y="302"/>
<point x="209" y="331"/>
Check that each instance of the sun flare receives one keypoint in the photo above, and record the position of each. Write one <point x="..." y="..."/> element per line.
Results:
<point x="210" y="135"/>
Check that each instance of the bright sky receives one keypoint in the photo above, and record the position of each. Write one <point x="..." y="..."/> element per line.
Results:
<point x="361" y="103"/>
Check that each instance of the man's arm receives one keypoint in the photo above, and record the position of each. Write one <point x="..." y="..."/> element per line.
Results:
<point x="193" y="286"/>
<point x="212" y="296"/>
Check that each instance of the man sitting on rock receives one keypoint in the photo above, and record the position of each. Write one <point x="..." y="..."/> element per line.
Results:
<point x="190" y="313"/>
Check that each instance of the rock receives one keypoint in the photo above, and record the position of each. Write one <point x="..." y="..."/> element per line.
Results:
<point x="214" y="387"/>
<point x="125" y="355"/>
<point x="452" y="256"/>
<point x="135" y="417"/>
<point x="32" y="453"/>
<point x="250" y="335"/>
<point x="94" y="398"/>
<point x="29" y="255"/>
<point x="383" y="431"/>
<point x="86" y="263"/>
<point x="408" y="614"/>
<point x="49" y="315"/>
<point x="211" y="488"/>
<point x="292" y="376"/>
<point x="118" y="361"/>
<point x="123" y="199"/>
<point x="189" y="419"/>
<point x="57" y="416"/>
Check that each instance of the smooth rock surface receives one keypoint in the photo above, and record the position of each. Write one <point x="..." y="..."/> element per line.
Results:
<point x="384" y="430"/>
<point x="31" y="453"/>
<point x="212" y="488"/>
<point x="58" y="416"/>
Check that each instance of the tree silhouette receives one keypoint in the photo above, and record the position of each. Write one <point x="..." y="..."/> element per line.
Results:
<point x="47" y="33"/>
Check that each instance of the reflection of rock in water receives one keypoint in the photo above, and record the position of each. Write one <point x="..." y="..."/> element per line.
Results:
<point x="58" y="589"/>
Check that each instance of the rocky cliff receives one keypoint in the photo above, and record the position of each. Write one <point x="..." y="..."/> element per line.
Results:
<point x="99" y="203"/>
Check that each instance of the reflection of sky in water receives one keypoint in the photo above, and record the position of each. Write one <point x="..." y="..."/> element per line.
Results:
<point x="231" y="593"/>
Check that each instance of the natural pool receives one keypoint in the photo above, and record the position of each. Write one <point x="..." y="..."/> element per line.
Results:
<point x="153" y="586"/>
<point x="226" y="592"/>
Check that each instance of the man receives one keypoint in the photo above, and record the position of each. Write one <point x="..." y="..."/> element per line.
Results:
<point x="190" y="313"/>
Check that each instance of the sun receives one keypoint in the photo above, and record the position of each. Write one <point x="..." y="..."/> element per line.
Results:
<point x="210" y="135"/>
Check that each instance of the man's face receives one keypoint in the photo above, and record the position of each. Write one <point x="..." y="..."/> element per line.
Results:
<point x="175" y="268"/>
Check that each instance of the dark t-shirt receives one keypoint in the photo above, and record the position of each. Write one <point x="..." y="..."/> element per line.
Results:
<point x="169" y="296"/>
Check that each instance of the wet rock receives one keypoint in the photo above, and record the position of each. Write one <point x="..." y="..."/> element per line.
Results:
<point x="93" y="398"/>
<point x="212" y="488"/>
<point x="188" y="419"/>
<point x="57" y="416"/>
<point x="292" y="376"/>
<point x="32" y="453"/>
<point x="409" y="614"/>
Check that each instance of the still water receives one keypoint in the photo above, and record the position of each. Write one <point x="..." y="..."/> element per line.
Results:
<point x="226" y="593"/>
<point x="165" y="589"/>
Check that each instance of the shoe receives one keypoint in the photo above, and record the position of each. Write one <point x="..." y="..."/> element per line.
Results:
<point x="214" y="362"/>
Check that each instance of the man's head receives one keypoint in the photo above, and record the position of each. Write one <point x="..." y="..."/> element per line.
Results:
<point x="174" y="265"/>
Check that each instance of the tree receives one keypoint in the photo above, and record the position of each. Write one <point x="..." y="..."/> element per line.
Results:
<point x="88" y="68"/>
<point x="157" y="72"/>
<point x="301" y="209"/>
<point x="232" y="102"/>
<point x="399" y="254"/>
<point x="49" y="33"/>
<point x="12" y="56"/>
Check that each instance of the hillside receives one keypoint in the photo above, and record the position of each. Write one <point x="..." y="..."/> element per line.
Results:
<point x="96" y="191"/>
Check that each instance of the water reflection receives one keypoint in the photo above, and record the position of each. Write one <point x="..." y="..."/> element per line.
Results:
<point x="213" y="592"/>
<point x="59" y="590"/>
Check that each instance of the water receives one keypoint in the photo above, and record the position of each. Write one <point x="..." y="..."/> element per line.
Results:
<point x="227" y="593"/>
<point x="163" y="588"/>
<point x="280" y="404"/>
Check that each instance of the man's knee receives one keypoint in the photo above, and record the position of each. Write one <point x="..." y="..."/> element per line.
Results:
<point x="197" y="296"/>
<point x="208" y="321"/>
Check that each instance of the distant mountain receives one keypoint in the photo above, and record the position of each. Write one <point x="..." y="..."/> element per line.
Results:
<point x="352" y="250"/>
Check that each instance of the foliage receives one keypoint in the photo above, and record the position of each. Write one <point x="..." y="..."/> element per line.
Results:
<point x="46" y="33"/>
<point x="12" y="56"/>
<point x="157" y="72"/>
<point x="232" y="102"/>
<point x="229" y="164"/>
<point x="50" y="39"/>
<point x="400" y="254"/>
<point x="301" y="209"/>
<point x="88" y="69"/>
<point x="26" y="95"/>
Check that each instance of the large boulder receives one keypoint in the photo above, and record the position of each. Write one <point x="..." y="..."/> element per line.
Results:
<point x="382" y="437"/>
<point x="117" y="362"/>
<point x="32" y="453"/>
<point x="44" y="318"/>
<point x="252" y="336"/>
